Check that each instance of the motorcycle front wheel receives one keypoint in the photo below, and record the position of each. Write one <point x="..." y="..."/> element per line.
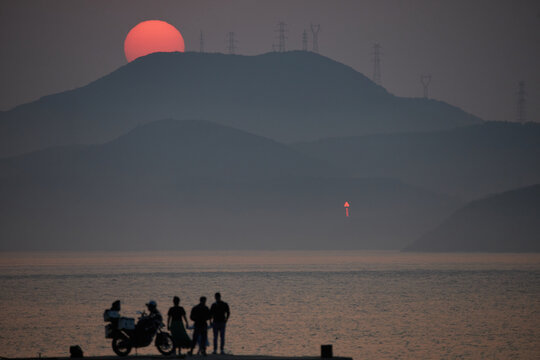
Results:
<point x="121" y="346"/>
<point x="164" y="343"/>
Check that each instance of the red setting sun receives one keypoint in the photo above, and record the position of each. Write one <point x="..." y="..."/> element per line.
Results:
<point x="152" y="36"/>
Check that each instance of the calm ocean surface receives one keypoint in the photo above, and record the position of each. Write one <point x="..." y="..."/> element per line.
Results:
<point x="369" y="305"/>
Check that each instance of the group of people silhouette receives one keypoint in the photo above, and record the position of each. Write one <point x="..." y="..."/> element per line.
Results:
<point x="203" y="318"/>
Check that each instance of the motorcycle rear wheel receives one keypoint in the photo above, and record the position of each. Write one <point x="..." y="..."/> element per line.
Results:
<point x="121" y="346"/>
<point x="165" y="344"/>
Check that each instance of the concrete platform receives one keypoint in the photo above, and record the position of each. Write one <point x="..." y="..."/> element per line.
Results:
<point x="187" y="357"/>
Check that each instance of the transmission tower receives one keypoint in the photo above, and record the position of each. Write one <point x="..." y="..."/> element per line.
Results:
<point x="304" y="40"/>
<point x="377" y="63"/>
<point x="521" y="115"/>
<point x="231" y="42"/>
<point x="315" y="32"/>
<point x="201" y="43"/>
<point x="425" y="80"/>
<point x="281" y="30"/>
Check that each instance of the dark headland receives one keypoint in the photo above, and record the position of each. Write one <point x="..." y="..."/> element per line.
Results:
<point x="506" y="222"/>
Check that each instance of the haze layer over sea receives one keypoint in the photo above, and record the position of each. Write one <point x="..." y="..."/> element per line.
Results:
<point x="369" y="305"/>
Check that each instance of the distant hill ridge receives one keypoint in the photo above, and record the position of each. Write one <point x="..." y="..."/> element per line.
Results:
<point x="290" y="96"/>
<point x="169" y="150"/>
<point x="470" y="161"/>
<point x="197" y="185"/>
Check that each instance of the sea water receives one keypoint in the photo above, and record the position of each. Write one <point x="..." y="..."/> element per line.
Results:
<point x="368" y="305"/>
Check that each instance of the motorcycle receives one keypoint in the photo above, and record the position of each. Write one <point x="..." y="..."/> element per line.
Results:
<point x="125" y="334"/>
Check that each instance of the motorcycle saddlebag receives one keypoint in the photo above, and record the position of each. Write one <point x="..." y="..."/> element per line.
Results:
<point x="110" y="315"/>
<point x="108" y="331"/>
<point x="126" y="323"/>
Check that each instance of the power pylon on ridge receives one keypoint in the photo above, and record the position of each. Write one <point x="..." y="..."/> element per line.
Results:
<point x="377" y="63"/>
<point x="231" y="42"/>
<point x="521" y="115"/>
<point x="425" y="80"/>
<point x="304" y="41"/>
<point x="281" y="30"/>
<point x="201" y="43"/>
<point x="315" y="32"/>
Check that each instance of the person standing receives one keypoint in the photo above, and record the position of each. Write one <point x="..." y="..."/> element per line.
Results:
<point x="176" y="326"/>
<point x="200" y="314"/>
<point x="220" y="313"/>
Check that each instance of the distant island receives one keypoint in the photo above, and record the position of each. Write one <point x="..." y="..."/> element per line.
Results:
<point x="214" y="151"/>
<point x="506" y="222"/>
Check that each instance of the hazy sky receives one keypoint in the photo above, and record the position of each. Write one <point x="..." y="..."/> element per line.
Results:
<point x="476" y="51"/>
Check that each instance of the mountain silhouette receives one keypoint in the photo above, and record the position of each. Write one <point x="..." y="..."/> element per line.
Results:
<point x="505" y="222"/>
<point x="292" y="96"/>
<point x="173" y="184"/>
<point x="468" y="162"/>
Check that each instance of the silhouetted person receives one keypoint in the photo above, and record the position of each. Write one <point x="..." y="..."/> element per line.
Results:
<point x="154" y="313"/>
<point x="200" y="314"/>
<point x="220" y="313"/>
<point x="176" y="326"/>
<point x="115" y="306"/>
